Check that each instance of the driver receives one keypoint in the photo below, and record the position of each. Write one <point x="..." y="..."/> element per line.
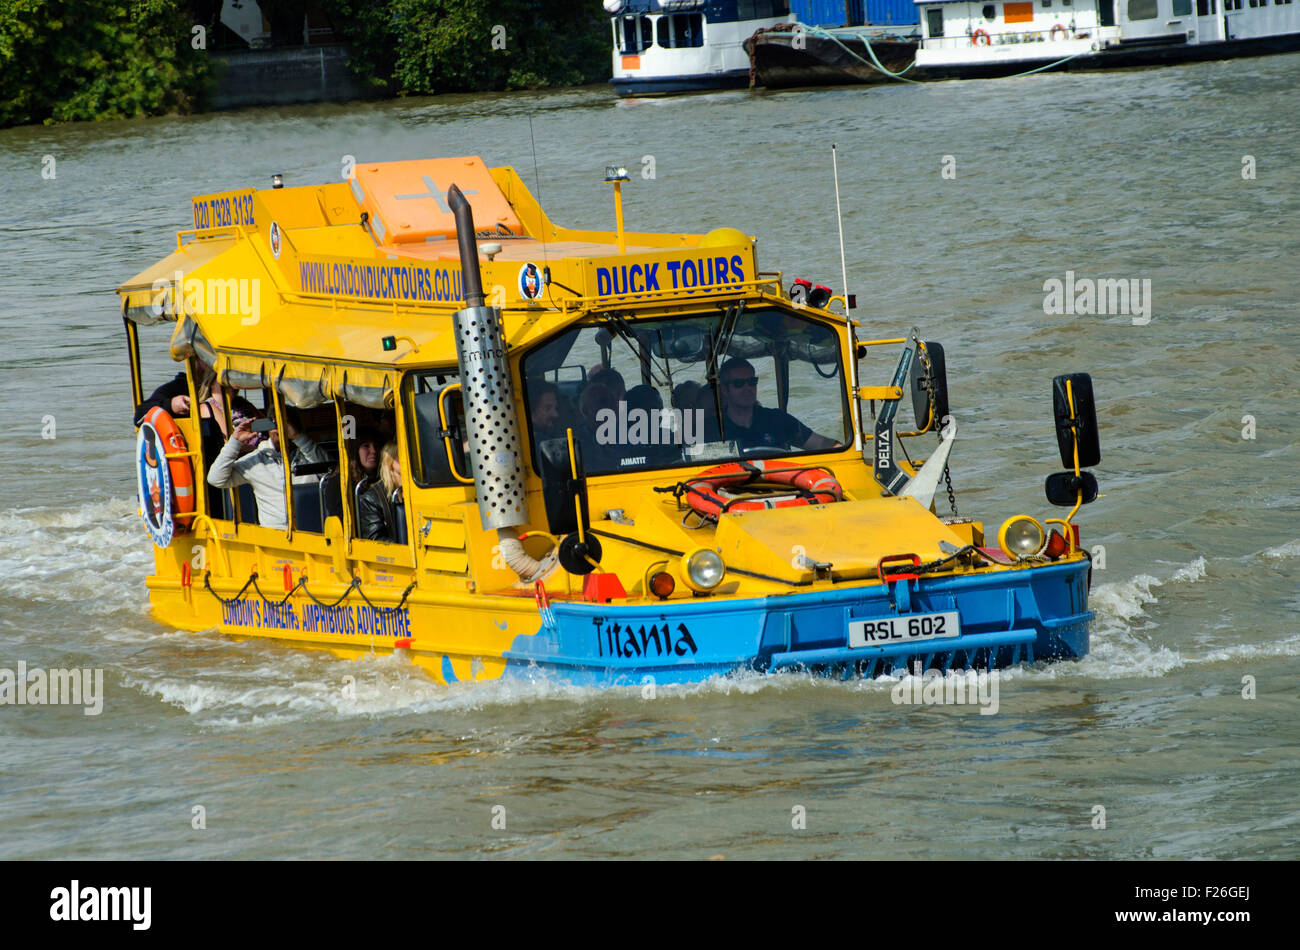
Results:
<point x="751" y="425"/>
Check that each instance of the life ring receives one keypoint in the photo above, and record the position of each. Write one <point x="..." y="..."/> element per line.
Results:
<point x="166" y="491"/>
<point x="1065" y="34"/>
<point x="975" y="38"/>
<point x="707" y="492"/>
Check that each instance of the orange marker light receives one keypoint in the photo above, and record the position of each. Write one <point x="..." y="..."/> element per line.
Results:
<point x="1056" y="545"/>
<point x="662" y="584"/>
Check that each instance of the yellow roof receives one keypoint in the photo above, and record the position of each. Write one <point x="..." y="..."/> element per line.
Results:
<point x="317" y="276"/>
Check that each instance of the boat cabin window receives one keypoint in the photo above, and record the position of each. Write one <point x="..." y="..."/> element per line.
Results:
<point x="435" y="416"/>
<point x="1205" y="7"/>
<point x="761" y="9"/>
<point x="681" y="30"/>
<point x="663" y="393"/>
<point x="367" y="433"/>
<point x="934" y="21"/>
<point x="633" y="34"/>
<point x="245" y="475"/>
<point x="989" y="12"/>
<point x="1143" y="9"/>
<point x="1182" y="7"/>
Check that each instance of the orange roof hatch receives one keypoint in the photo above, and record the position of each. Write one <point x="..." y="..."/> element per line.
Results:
<point x="407" y="201"/>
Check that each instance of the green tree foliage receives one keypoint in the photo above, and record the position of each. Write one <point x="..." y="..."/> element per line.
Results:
<point x="423" y="47"/>
<point x="63" y="60"/>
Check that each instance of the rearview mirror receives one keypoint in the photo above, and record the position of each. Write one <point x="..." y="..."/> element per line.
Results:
<point x="562" y="493"/>
<point x="1063" y="488"/>
<point x="1078" y="426"/>
<point x="937" y="386"/>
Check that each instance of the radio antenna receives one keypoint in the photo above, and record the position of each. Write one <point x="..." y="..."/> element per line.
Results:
<point x="854" y="403"/>
<point x="839" y="220"/>
<point x="537" y="185"/>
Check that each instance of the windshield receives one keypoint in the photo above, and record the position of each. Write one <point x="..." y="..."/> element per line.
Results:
<point x="681" y="391"/>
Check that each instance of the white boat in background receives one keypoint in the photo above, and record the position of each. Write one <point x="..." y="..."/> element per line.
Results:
<point x="666" y="46"/>
<point x="962" y="39"/>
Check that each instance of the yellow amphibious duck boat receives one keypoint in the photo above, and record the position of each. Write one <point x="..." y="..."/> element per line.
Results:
<point x="610" y="455"/>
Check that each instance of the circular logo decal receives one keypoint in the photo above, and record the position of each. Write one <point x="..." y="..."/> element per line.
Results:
<point x="531" y="281"/>
<point x="154" y="485"/>
<point x="275" y="240"/>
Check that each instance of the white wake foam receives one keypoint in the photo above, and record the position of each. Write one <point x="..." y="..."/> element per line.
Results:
<point x="96" y="554"/>
<point x="1290" y="549"/>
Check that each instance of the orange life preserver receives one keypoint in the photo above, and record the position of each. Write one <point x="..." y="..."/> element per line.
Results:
<point x="707" y="494"/>
<point x="1065" y="34"/>
<point x="179" y="467"/>
<point x="975" y="38"/>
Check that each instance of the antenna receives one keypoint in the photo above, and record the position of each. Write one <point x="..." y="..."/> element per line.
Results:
<point x="854" y="403"/>
<point x="537" y="185"/>
<point x="844" y="271"/>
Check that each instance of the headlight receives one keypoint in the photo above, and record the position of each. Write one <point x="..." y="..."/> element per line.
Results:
<point x="1021" y="536"/>
<point x="702" y="569"/>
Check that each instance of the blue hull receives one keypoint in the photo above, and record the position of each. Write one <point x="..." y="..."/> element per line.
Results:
<point x="666" y="85"/>
<point x="1007" y="617"/>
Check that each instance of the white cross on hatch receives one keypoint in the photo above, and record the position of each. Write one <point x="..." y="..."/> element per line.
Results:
<point x="434" y="193"/>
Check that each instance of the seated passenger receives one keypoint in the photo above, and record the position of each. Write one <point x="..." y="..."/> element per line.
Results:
<point x="610" y="378"/>
<point x="751" y="425"/>
<point x="684" y="394"/>
<point x="597" y="404"/>
<point x="544" y="410"/>
<point x="376" y="514"/>
<point x="212" y="421"/>
<point x="173" y="396"/>
<point x="648" y="426"/>
<point x="213" y="399"/>
<point x="365" y="460"/>
<point x="264" y="467"/>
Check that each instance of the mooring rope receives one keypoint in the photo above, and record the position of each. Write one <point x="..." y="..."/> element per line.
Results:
<point x="879" y="67"/>
<point x="302" y="585"/>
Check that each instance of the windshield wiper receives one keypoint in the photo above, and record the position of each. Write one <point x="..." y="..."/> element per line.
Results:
<point x="720" y="339"/>
<point x="620" y="328"/>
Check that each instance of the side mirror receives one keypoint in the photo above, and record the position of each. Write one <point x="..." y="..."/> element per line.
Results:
<point x="1063" y="488"/>
<point x="932" y="391"/>
<point x="576" y="554"/>
<point x="563" y="492"/>
<point x="1077" y="425"/>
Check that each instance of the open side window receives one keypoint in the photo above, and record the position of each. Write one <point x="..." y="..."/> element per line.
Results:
<point x="436" y="420"/>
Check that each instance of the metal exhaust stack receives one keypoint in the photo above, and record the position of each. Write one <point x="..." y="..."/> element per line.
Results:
<point x="487" y="390"/>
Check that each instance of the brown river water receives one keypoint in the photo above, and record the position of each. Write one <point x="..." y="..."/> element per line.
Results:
<point x="1182" y="722"/>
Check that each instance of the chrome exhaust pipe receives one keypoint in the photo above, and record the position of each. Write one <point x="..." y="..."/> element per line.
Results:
<point x="495" y="446"/>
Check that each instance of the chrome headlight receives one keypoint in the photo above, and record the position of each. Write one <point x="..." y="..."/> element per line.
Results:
<point x="702" y="569"/>
<point x="1021" y="537"/>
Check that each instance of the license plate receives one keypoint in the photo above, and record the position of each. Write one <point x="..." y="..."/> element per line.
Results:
<point x="910" y="628"/>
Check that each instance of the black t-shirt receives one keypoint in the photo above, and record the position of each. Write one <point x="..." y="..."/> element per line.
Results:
<point x="767" y="427"/>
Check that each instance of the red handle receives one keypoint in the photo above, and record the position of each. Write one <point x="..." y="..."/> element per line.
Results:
<point x="905" y="576"/>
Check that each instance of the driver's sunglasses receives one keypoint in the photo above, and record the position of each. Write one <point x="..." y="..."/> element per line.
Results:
<point x="743" y="381"/>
